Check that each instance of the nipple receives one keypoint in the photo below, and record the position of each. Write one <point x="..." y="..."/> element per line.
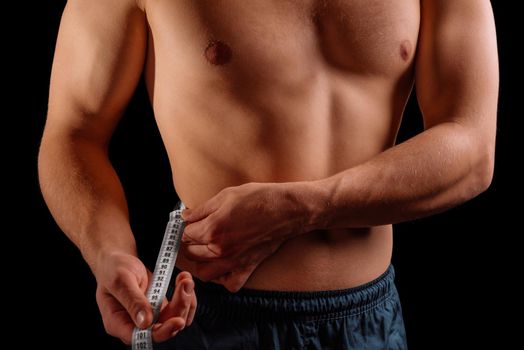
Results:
<point x="405" y="50"/>
<point x="218" y="53"/>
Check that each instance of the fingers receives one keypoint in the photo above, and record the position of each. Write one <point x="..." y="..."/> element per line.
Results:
<point x="179" y="313"/>
<point x="208" y="271"/>
<point x="235" y="280"/>
<point x="200" y="232"/>
<point x="192" y="310"/>
<point x="203" y="252"/>
<point x="168" y="329"/>
<point x="208" y="268"/>
<point x="200" y="212"/>
<point x="129" y="293"/>
<point x="181" y="302"/>
<point x="115" y="318"/>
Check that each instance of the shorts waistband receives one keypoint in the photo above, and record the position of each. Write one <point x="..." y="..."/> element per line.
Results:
<point x="214" y="299"/>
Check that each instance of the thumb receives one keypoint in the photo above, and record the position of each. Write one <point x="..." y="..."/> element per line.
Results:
<point x="196" y="214"/>
<point x="134" y="300"/>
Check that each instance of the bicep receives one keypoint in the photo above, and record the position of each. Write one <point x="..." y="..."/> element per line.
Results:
<point x="457" y="64"/>
<point x="98" y="61"/>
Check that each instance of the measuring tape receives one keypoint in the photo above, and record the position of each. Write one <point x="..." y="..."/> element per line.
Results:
<point x="165" y="263"/>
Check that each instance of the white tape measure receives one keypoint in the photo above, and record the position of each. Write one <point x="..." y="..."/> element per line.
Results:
<point x="165" y="264"/>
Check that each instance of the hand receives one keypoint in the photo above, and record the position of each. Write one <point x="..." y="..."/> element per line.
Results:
<point x="122" y="285"/>
<point x="233" y="232"/>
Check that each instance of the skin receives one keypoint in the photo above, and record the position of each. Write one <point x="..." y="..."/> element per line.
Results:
<point x="281" y="142"/>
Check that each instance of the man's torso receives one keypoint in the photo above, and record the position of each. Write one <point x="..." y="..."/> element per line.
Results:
<point x="295" y="91"/>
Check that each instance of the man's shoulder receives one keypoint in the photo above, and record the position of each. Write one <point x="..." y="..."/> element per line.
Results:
<point x="114" y="4"/>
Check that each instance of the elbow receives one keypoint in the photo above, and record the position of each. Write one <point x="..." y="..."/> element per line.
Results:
<point x="482" y="171"/>
<point x="487" y="171"/>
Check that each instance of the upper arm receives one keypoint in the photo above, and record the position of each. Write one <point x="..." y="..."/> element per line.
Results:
<point x="457" y="65"/>
<point x="98" y="61"/>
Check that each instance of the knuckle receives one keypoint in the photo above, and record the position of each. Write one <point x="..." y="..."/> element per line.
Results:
<point x="125" y="341"/>
<point x="186" y="302"/>
<point x="212" y="229"/>
<point x="220" y="245"/>
<point x="135" y="306"/>
<point x="187" y="231"/>
<point x="232" y="287"/>
<point x="217" y="249"/>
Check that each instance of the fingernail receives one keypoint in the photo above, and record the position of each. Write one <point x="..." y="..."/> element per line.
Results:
<point x="188" y="288"/>
<point x="174" y="333"/>
<point x="140" y="318"/>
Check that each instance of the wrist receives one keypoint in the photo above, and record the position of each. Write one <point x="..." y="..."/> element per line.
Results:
<point x="109" y="257"/>
<point x="97" y="255"/>
<point x="310" y="201"/>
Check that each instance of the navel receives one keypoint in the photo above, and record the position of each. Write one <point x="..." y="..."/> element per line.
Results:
<point x="218" y="53"/>
<point x="405" y="50"/>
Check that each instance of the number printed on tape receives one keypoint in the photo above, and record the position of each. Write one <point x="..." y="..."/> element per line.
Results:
<point x="142" y="338"/>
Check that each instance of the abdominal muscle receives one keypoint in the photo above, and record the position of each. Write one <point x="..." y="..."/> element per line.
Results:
<point x="326" y="260"/>
<point x="225" y="142"/>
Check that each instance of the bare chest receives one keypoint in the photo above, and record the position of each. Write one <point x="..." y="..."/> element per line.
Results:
<point x="285" y="38"/>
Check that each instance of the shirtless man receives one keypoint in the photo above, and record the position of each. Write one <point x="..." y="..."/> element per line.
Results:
<point x="279" y="119"/>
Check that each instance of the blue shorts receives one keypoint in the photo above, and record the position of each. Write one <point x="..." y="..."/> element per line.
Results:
<point x="367" y="317"/>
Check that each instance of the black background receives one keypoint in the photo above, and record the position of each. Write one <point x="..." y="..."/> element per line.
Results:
<point x="454" y="270"/>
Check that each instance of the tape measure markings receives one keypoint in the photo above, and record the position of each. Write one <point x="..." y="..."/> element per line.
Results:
<point x="165" y="264"/>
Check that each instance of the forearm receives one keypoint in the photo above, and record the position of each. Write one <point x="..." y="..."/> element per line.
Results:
<point x="438" y="169"/>
<point x="84" y="195"/>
